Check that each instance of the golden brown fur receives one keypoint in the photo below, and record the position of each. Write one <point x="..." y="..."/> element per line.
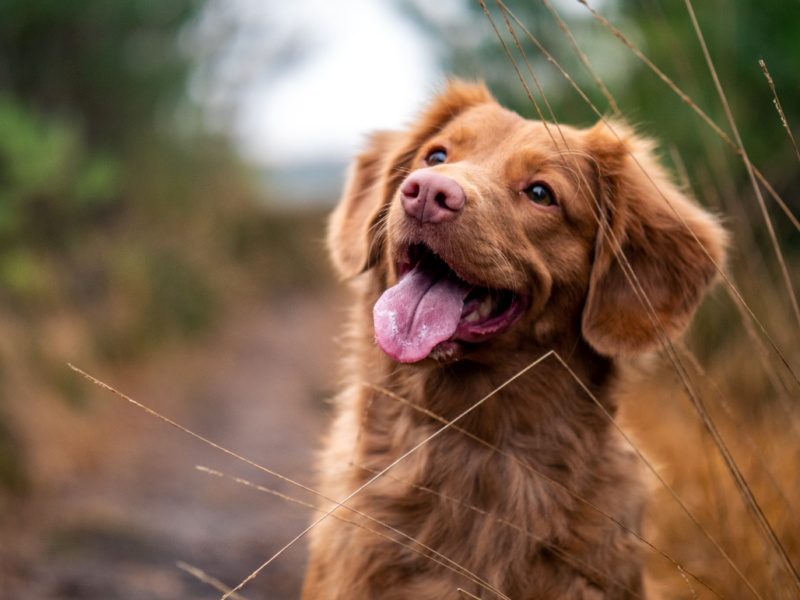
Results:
<point x="490" y="512"/>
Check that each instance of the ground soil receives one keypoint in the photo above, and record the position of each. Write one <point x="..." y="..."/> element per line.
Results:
<point x="117" y="524"/>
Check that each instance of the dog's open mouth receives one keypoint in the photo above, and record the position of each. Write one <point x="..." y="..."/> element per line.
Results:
<point x="433" y="307"/>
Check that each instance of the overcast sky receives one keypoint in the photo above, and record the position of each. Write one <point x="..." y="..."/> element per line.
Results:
<point x="368" y="67"/>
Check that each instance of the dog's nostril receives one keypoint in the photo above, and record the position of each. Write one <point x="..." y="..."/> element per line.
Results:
<point x="441" y="200"/>
<point x="410" y="189"/>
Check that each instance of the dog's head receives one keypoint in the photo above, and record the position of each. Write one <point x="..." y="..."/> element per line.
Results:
<point x="484" y="229"/>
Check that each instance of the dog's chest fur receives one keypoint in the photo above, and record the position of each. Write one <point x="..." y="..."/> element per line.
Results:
<point x="525" y="477"/>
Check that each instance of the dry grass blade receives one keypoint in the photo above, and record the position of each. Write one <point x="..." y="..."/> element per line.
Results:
<point x="286" y="479"/>
<point x="465" y="594"/>
<point x="212" y="581"/>
<point x="460" y="571"/>
<point x="670" y="351"/>
<point x="521" y="78"/>
<point x="611" y="102"/>
<point x="414" y="449"/>
<point x="751" y="174"/>
<point x="686" y="579"/>
<point x="784" y="393"/>
<point x="599" y="215"/>
<point x="779" y="107"/>
<point x="539" y="474"/>
<point x="765" y="523"/>
<point x="403" y="457"/>
<point x="680" y="167"/>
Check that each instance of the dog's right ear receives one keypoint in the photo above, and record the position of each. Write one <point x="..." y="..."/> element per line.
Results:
<point x="672" y="249"/>
<point x="355" y="236"/>
<point x="353" y="244"/>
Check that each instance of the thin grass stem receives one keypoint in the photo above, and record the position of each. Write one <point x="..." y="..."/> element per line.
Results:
<point x="773" y="236"/>
<point x="765" y="523"/>
<point x="694" y="107"/>
<point x="653" y="317"/>
<point x="611" y="102"/>
<point x="568" y="557"/>
<point x="779" y="107"/>
<point x="208" y="579"/>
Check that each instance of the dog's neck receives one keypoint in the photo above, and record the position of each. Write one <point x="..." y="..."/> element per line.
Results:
<point x="503" y="399"/>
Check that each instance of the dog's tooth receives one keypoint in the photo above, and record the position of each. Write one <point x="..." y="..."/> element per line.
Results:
<point x="485" y="308"/>
<point x="472" y="317"/>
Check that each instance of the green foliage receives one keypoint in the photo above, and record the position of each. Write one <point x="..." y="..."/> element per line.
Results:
<point x="110" y="213"/>
<point x="110" y="64"/>
<point x="738" y="35"/>
<point x="12" y="471"/>
<point x="46" y="169"/>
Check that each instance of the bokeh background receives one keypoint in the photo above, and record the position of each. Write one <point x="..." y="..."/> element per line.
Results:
<point x="165" y="171"/>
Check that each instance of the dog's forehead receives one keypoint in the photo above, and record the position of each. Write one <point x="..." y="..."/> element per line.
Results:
<point x="489" y="128"/>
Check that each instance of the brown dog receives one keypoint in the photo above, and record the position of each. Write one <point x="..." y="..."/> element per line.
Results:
<point x="475" y="245"/>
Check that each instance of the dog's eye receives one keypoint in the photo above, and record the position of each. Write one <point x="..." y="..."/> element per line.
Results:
<point x="436" y="157"/>
<point x="540" y="194"/>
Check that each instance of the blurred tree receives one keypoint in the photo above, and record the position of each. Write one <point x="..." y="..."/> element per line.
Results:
<point x="110" y="65"/>
<point x="118" y="207"/>
<point x="88" y="90"/>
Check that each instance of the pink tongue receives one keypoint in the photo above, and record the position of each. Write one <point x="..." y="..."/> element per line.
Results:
<point x="422" y="310"/>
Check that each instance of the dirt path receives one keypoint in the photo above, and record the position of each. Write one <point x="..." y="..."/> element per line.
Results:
<point x="116" y="529"/>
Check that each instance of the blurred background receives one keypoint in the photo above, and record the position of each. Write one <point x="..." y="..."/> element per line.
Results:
<point x="166" y="167"/>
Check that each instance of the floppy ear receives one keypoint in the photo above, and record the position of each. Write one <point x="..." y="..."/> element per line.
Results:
<point x="355" y="236"/>
<point x="648" y="219"/>
<point x="351" y="239"/>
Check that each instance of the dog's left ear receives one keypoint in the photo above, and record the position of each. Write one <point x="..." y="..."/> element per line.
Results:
<point x="650" y="220"/>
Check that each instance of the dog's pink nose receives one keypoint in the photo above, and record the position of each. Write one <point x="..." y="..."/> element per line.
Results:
<point x="432" y="197"/>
